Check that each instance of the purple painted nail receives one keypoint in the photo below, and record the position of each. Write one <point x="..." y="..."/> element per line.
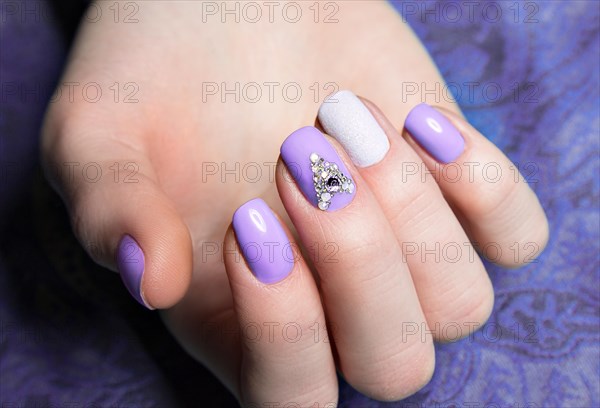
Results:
<point x="434" y="133"/>
<point x="317" y="169"/>
<point x="130" y="263"/>
<point x="263" y="241"/>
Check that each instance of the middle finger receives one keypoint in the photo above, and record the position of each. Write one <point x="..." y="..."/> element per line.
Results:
<point x="367" y="291"/>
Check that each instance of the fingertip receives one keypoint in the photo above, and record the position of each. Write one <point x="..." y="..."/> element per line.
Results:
<point x="143" y="237"/>
<point x="263" y="241"/>
<point x="435" y="133"/>
<point x="168" y="268"/>
<point x="499" y="208"/>
<point x="131" y="265"/>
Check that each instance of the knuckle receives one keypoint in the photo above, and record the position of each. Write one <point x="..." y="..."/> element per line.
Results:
<point x="416" y="205"/>
<point x="79" y="211"/>
<point x="469" y="313"/>
<point x="62" y="122"/>
<point x="85" y="227"/>
<point x="320" y="395"/>
<point x="542" y="235"/>
<point x="491" y="199"/>
<point x="364" y="250"/>
<point x="525" y="243"/>
<point x="389" y="379"/>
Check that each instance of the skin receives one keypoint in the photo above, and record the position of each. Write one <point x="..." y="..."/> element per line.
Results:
<point x="176" y="214"/>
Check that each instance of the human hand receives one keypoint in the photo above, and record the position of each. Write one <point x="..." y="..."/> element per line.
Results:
<point x="172" y="131"/>
<point x="392" y="284"/>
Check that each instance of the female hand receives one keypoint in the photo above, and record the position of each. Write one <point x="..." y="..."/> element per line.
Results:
<point x="403" y="271"/>
<point x="176" y="212"/>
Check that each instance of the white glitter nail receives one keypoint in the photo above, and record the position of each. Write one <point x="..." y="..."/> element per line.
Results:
<point x="348" y="120"/>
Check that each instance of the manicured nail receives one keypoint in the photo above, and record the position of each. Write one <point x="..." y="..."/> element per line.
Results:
<point x="318" y="170"/>
<point x="130" y="263"/>
<point x="434" y="133"/>
<point x="263" y="241"/>
<point x="351" y="123"/>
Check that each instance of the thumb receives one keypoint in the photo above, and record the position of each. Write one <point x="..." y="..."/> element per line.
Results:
<point x="118" y="208"/>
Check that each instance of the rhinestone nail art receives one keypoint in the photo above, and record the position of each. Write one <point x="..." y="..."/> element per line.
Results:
<point x="328" y="181"/>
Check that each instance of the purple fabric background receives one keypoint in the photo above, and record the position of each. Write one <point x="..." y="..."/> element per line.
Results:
<point x="69" y="334"/>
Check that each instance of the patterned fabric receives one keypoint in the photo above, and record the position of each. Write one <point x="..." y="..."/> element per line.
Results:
<point x="69" y="334"/>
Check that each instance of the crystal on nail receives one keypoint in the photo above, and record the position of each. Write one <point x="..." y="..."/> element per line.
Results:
<point x="328" y="181"/>
<point x="323" y="205"/>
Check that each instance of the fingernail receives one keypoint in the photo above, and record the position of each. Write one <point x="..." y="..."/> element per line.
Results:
<point x="263" y="241"/>
<point x="350" y="122"/>
<point x="130" y="263"/>
<point x="318" y="170"/>
<point x="434" y="133"/>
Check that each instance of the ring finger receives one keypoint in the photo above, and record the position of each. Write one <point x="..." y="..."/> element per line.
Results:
<point x="454" y="290"/>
